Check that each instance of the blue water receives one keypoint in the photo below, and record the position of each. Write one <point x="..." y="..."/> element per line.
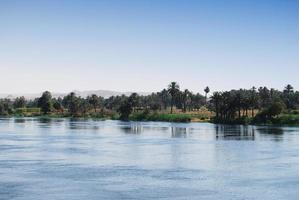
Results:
<point x="65" y="159"/>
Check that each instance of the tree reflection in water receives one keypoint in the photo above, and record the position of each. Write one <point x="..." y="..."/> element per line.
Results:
<point x="275" y="133"/>
<point x="234" y="132"/>
<point x="179" y="132"/>
<point x="134" y="128"/>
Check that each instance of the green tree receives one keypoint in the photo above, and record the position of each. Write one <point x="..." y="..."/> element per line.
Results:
<point x="134" y="100"/>
<point x="289" y="97"/>
<point x="72" y="102"/>
<point x="3" y="111"/>
<point x="57" y="104"/>
<point x="164" y="96"/>
<point x="20" y="102"/>
<point x="84" y="105"/>
<point x="253" y="100"/>
<point x="95" y="101"/>
<point x="45" y="102"/>
<point x="275" y="109"/>
<point x="173" y="89"/>
<point x="264" y="97"/>
<point x="216" y="100"/>
<point x="125" y="109"/>
<point x="186" y="99"/>
<point x="289" y="89"/>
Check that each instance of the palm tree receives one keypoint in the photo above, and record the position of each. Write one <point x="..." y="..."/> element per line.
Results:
<point x="94" y="100"/>
<point x="173" y="89"/>
<point x="207" y="90"/>
<point x="253" y="100"/>
<point x="134" y="100"/>
<point x="185" y="98"/>
<point x="288" y="93"/>
<point x="164" y="96"/>
<point x="289" y="89"/>
<point x="216" y="100"/>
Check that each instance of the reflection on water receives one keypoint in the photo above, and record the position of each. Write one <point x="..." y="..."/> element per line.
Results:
<point x="234" y="132"/>
<point x="139" y="128"/>
<point x="178" y="132"/>
<point x="134" y="128"/>
<point x="275" y="133"/>
<point x="271" y="130"/>
<point x="20" y="120"/>
<point x="83" y="124"/>
<point x="65" y="159"/>
<point x="44" y="120"/>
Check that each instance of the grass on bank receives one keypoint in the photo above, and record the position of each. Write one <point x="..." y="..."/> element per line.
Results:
<point x="167" y="117"/>
<point x="196" y="116"/>
<point x="286" y="119"/>
<point x="291" y="118"/>
<point x="281" y="119"/>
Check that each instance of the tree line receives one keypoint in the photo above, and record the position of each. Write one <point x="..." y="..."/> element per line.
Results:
<point x="76" y="106"/>
<point x="261" y="103"/>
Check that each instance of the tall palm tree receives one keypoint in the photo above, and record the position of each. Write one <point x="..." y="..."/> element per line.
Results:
<point x="173" y="89"/>
<point x="185" y="98"/>
<point x="134" y="100"/>
<point x="207" y="90"/>
<point x="289" y="89"/>
<point x="94" y="100"/>
<point x="164" y="96"/>
<point x="253" y="100"/>
<point x="216" y="100"/>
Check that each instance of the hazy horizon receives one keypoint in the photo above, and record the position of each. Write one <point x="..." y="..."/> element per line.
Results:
<point x="141" y="46"/>
<point x="201" y="91"/>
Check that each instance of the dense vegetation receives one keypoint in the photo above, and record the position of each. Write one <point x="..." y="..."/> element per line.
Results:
<point x="260" y="105"/>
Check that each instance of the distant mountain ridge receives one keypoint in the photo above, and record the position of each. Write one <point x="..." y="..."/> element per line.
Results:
<point x="84" y="94"/>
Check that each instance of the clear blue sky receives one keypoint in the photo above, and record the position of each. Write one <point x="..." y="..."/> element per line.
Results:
<point x="140" y="45"/>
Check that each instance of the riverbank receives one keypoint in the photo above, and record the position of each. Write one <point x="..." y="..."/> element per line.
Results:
<point x="167" y="117"/>
<point x="177" y="116"/>
<point x="281" y="120"/>
<point x="163" y="117"/>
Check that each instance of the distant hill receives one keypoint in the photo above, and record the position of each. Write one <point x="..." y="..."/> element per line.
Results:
<point x="102" y="93"/>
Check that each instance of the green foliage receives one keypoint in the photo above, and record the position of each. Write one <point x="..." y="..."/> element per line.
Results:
<point x="95" y="101"/>
<point x="286" y="119"/>
<point x="20" y="102"/>
<point x="72" y="102"/>
<point x="3" y="111"/>
<point x="27" y="112"/>
<point x="232" y="106"/>
<point x="125" y="109"/>
<point x="6" y="107"/>
<point x="45" y="102"/>
<point x="20" y="111"/>
<point x="173" y="90"/>
<point x="57" y="105"/>
<point x="267" y="114"/>
<point x="241" y="106"/>
<point x="274" y="109"/>
<point x="161" y="117"/>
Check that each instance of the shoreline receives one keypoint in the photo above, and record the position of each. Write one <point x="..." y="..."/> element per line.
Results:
<point x="194" y="120"/>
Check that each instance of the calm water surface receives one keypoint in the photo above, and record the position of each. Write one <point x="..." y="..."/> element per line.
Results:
<point x="65" y="159"/>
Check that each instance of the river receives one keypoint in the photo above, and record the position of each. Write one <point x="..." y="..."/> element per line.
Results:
<point x="87" y="159"/>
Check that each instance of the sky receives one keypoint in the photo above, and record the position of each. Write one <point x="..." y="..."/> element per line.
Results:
<point x="142" y="45"/>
